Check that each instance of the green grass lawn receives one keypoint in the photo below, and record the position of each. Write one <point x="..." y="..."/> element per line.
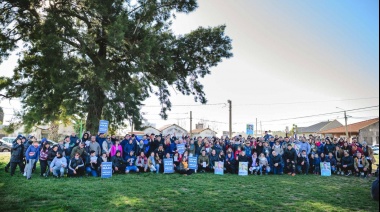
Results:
<point x="198" y="192"/>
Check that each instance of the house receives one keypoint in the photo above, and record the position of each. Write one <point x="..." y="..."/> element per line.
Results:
<point x="173" y="129"/>
<point x="366" y="131"/>
<point x="150" y="129"/>
<point x="202" y="132"/>
<point x="316" y="128"/>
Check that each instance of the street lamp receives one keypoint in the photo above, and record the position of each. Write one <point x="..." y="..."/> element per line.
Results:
<point x="345" y="120"/>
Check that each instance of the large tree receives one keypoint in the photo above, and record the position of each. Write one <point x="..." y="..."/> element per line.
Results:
<point x="101" y="59"/>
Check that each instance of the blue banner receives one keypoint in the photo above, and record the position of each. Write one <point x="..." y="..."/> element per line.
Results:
<point x="250" y="130"/>
<point x="325" y="169"/>
<point x="168" y="166"/>
<point x="219" y="168"/>
<point x="181" y="148"/>
<point x="193" y="163"/>
<point x="106" y="171"/>
<point x="243" y="168"/>
<point x="103" y="126"/>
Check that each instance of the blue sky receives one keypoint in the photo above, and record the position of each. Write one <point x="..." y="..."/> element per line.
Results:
<point x="284" y="52"/>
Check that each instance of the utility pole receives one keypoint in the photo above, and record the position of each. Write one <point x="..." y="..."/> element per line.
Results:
<point x="191" y="124"/>
<point x="345" y="120"/>
<point x="256" y="128"/>
<point x="230" y="104"/>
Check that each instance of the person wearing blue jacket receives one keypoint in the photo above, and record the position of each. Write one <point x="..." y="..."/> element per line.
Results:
<point x="128" y="148"/>
<point x="31" y="155"/>
<point x="330" y="159"/>
<point x="304" y="146"/>
<point x="131" y="163"/>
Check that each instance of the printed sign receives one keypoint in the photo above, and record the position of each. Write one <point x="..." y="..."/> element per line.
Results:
<point x="168" y="166"/>
<point x="193" y="163"/>
<point x="219" y="168"/>
<point x="243" y="168"/>
<point x="249" y="129"/>
<point x="103" y="126"/>
<point x="325" y="169"/>
<point x="106" y="171"/>
<point x="181" y="148"/>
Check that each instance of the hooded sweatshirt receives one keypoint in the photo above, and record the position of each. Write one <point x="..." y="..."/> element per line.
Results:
<point x="57" y="162"/>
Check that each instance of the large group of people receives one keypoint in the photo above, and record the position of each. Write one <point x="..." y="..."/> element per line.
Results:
<point x="77" y="157"/>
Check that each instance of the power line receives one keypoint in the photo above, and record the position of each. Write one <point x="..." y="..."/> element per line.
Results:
<point x="215" y="104"/>
<point x="321" y="114"/>
<point x="289" y="103"/>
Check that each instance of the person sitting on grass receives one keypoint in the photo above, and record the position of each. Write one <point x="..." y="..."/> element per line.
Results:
<point x="152" y="163"/>
<point x="203" y="162"/>
<point x="347" y="164"/>
<point x="264" y="165"/>
<point x="92" y="164"/>
<point x="276" y="163"/>
<point x="184" y="167"/>
<point x="51" y="155"/>
<point x="76" y="166"/>
<point x="230" y="163"/>
<point x="131" y="160"/>
<point x="142" y="162"/>
<point x="290" y="157"/>
<point x="330" y="159"/>
<point x="303" y="163"/>
<point x="361" y="165"/>
<point x="254" y="168"/>
<point x="118" y="163"/>
<point x="58" y="165"/>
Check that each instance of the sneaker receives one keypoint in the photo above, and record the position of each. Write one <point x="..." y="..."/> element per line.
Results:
<point x="342" y="173"/>
<point x="29" y="178"/>
<point x="338" y="173"/>
<point x="348" y="174"/>
<point x="294" y="174"/>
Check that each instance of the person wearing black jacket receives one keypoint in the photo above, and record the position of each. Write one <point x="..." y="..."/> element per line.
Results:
<point x="276" y="163"/>
<point x="290" y="157"/>
<point x="51" y="155"/>
<point x="16" y="157"/>
<point x="302" y="163"/>
<point x="118" y="163"/>
<point x="76" y="166"/>
<point x="241" y="158"/>
<point x="347" y="164"/>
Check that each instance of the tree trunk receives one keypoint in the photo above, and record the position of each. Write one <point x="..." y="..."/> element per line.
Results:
<point x="53" y="131"/>
<point x="95" y="109"/>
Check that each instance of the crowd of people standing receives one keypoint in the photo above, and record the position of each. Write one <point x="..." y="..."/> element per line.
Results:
<point x="77" y="157"/>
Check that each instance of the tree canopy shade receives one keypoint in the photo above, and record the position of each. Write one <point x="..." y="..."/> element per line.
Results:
<point x="101" y="59"/>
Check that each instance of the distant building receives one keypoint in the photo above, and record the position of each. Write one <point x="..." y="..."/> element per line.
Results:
<point x="202" y="132"/>
<point x="173" y="129"/>
<point x="366" y="131"/>
<point x="151" y="129"/>
<point x="316" y="128"/>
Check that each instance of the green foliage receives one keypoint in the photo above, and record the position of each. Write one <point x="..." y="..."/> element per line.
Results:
<point x="101" y="59"/>
<point x="174" y="192"/>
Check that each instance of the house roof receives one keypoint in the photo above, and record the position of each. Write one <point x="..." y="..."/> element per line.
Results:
<point x="152" y="128"/>
<point x="136" y="133"/>
<point x="169" y="125"/>
<point x="326" y="125"/>
<point x="352" y="128"/>
<point x="197" y="131"/>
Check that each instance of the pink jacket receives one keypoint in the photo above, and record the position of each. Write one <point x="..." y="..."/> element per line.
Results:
<point x="114" y="149"/>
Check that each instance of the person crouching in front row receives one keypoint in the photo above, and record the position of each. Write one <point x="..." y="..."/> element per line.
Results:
<point x="76" y="166"/>
<point x="58" y="165"/>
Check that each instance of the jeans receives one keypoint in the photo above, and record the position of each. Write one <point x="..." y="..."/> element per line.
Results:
<point x="57" y="170"/>
<point x="155" y="168"/>
<point x="267" y="169"/>
<point x="278" y="169"/>
<point x="254" y="169"/>
<point x="303" y="169"/>
<point x="29" y="168"/>
<point x="131" y="168"/>
<point x="91" y="171"/>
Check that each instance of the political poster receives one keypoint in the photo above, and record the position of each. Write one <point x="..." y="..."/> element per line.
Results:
<point x="103" y="126"/>
<point x="243" y="168"/>
<point x="193" y="163"/>
<point x="250" y="129"/>
<point x="168" y="166"/>
<point x="325" y="169"/>
<point x="106" y="171"/>
<point x="219" y="168"/>
<point x="181" y="148"/>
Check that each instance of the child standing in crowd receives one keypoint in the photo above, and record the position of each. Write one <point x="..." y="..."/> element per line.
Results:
<point x="31" y="155"/>
<point x="317" y="166"/>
